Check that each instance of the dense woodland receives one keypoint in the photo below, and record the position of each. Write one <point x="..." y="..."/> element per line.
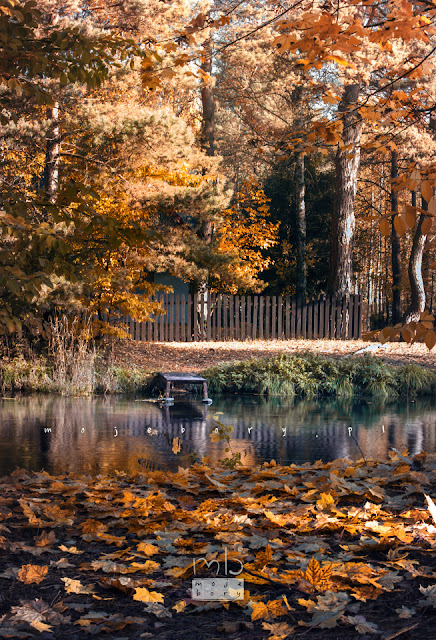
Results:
<point x="276" y="146"/>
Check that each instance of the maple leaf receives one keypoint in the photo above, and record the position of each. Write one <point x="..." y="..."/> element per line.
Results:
<point x="144" y="595"/>
<point x="73" y="550"/>
<point x="317" y="578"/>
<point x="32" y="573"/>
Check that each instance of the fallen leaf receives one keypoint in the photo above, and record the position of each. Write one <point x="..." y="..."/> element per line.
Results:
<point x="75" y="586"/>
<point x="144" y="595"/>
<point x="32" y="573"/>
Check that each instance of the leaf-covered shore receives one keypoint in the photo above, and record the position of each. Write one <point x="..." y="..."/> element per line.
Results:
<point x="332" y="550"/>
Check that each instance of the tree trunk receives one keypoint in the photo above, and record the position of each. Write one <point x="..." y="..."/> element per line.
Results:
<point x="343" y="223"/>
<point x="208" y="123"/>
<point x="417" y="291"/>
<point x="300" y="188"/>
<point x="396" y="246"/>
<point x="208" y="103"/>
<point x="52" y="155"/>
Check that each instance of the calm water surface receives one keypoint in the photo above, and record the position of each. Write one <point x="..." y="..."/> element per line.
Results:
<point x="103" y="434"/>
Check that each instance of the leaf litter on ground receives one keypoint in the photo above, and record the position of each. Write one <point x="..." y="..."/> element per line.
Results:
<point x="324" y="549"/>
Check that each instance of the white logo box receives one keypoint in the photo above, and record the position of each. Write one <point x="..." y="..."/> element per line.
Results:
<point x="217" y="589"/>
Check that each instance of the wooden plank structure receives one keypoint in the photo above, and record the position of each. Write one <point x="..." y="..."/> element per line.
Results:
<point x="167" y="381"/>
<point x="215" y="317"/>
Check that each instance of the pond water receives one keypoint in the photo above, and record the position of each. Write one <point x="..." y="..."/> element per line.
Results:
<point x="104" y="434"/>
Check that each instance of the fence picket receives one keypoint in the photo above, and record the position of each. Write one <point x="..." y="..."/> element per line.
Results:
<point x="255" y="312"/>
<point x="280" y="318"/>
<point x="274" y="317"/>
<point x="287" y="318"/>
<point x="293" y="318"/>
<point x="218" y="326"/>
<point x="267" y="317"/>
<point x="237" y="311"/>
<point x="242" y="317"/>
<point x="248" y="323"/>
<point x="232" y="317"/>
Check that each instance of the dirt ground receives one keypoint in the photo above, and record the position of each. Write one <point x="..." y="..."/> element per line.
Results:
<point x="196" y="356"/>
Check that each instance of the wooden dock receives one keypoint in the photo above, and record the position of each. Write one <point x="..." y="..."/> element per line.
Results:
<point x="172" y="379"/>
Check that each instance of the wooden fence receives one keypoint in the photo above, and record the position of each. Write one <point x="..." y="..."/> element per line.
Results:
<point x="215" y="317"/>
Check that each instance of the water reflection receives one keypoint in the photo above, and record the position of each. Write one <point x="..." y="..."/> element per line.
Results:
<point x="102" y="434"/>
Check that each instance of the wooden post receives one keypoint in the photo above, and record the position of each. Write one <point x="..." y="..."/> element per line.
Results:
<point x="321" y="318"/>
<point x="182" y="319"/>
<point x="209" y="317"/>
<point x="202" y="301"/>
<point x="304" y="320"/>
<point x="237" y="332"/>
<point x="287" y="318"/>
<point x="274" y="317"/>
<point x="280" y="318"/>
<point x="171" y="319"/>
<point x="255" y="311"/>
<point x="327" y="317"/>
<point x="333" y="318"/>
<point x="218" y="326"/>
<point x="309" y="319"/>
<point x="225" y="318"/>
<point x="195" y="333"/>
<point x="299" y="314"/>
<point x="293" y="318"/>
<point x="267" y="318"/>
<point x="359" y="317"/>
<point x="189" y="318"/>
<point x="232" y="317"/>
<point x="315" y="319"/>
<point x="261" y="316"/>
<point x="242" y="317"/>
<point x="248" y="323"/>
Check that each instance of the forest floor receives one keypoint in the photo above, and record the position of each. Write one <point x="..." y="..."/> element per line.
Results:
<point x="196" y="356"/>
<point x="342" y="550"/>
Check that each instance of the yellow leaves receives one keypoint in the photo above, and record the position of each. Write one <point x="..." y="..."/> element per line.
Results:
<point x="316" y="577"/>
<point x="277" y="519"/>
<point x="147" y="549"/>
<point x="72" y="550"/>
<point x="326" y="501"/>
<point x="144" y="595"/>
<point x="75" y="586"/>
<point x="32" y="573"/>
<point x="272" y="609"/>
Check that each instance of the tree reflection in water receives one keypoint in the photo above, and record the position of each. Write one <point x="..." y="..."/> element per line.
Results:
<point x="103" y="434"/>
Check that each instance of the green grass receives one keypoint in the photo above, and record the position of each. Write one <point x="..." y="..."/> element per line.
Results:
<point x="309" y="375"/>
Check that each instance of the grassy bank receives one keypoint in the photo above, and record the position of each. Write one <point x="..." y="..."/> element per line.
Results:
<point x="309" y="375"/>
<point x="78" y="378"/>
